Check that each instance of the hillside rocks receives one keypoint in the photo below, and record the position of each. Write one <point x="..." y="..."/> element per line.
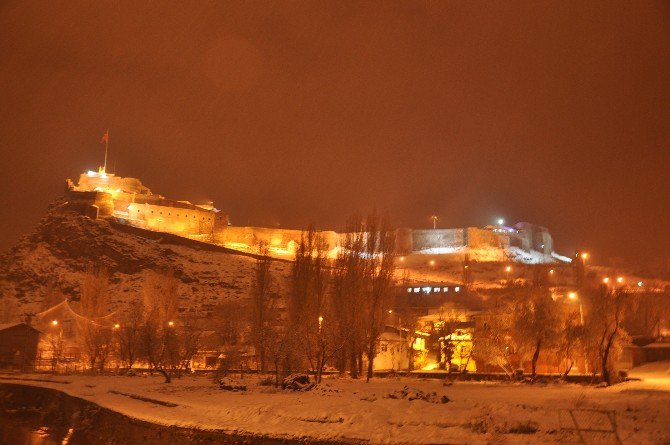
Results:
<point x="65" y="244"/>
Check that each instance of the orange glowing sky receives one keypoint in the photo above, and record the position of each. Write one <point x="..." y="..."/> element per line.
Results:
<point x="307" y="111"/>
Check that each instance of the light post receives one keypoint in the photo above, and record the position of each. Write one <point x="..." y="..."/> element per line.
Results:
<point x="434" y="218"/>
<point x="56" y="345"/>
<point x="573" y="296"/>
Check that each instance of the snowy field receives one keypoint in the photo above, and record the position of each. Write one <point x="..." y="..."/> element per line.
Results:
<point x="340" y="408"/>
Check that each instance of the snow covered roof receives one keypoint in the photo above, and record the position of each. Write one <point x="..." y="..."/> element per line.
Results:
<point x="6" y="326"/>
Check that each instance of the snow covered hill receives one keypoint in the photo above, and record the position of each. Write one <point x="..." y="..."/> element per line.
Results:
<point x="65" y="244"/>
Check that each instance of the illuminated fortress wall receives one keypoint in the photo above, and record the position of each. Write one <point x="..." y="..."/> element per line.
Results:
<point x="437" y="239"/>
<point x="284" y="240"/>
<point x="100" y="194"/>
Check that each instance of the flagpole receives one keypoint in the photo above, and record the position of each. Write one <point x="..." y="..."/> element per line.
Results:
<point x="104" y="168"/>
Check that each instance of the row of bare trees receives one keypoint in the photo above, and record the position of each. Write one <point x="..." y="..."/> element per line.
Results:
<point x="333" y="311"/>
<point x="594" y="327"/>
<point x="150" y="331"/>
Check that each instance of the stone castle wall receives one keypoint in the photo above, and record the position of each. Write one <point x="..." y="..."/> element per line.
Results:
<point x="99" y="195"/>
<point x="438" y="239"/>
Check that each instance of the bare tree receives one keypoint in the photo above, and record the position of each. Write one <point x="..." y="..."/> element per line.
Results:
<point x="536" y="322"/>
<point x="262" y="305"/>
<point x="570" y="337"/>
<point x="604" y="332"/>
<point x="492" y="340"/>
<point x="93" y="331"/>
<point x="127" y="335"/>
<point x="379" y="254"/>
<point x="159" y="337"/>
<point x="349" y="287"/>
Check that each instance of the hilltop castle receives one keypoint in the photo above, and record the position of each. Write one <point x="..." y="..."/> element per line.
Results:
<point x="98" y="194"/>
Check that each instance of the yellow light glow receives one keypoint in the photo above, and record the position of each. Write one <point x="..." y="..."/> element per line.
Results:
<point x="585" y="256"/>
<point x="606" y="280"/>
<point x="171" y="323"/>
<point x="54" y="322"/>
<point x="619" y="280"/>
<point x="572" y="295"/>
<point x="432" y="262"/>
<point x="402" y="258"/>
<point x="117" y="326"/>
<point x="551" y="272"/>
<point x="508" y="269"/>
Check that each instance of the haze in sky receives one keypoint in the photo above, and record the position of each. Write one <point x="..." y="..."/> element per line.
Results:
<point x="286" y="113"/>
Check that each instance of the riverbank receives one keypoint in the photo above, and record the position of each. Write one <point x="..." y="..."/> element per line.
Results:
<point x="76" y="421"/>
<point x="194" y="410"/>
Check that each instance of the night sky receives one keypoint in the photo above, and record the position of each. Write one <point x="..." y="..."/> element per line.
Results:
<point x="291" y="112"/>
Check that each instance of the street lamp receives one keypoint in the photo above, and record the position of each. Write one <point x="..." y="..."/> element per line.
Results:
<point x="54" y="323"/>
<point x="434" y="218"/>
<point x="171" y="323"/>
<point x="432" y="262"/>
<point x="573" y="296"/>
<point x="619" y="280"/>
<point x="320" y="323"/>
<point x="501" y="221"/>
<point x="117" y="326"/>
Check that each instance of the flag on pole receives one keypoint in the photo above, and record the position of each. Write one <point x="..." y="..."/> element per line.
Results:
<point x="105" y="137"/>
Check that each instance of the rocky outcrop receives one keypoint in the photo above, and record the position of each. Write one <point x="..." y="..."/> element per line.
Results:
<point x="65" y="244"/>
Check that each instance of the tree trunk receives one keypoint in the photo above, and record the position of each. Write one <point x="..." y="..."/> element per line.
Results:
<point x="567" y="371"/>
<point x="353" y="366"/>
<point x="165" y="374"/>
<point x="410" y="363"/>
<point x="371" y="359"/>
<point x="607" y="377"/>
<point x="536" y="355"/>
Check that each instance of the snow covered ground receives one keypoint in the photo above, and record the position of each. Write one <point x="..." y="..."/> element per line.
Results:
<point x="341" y="408"/>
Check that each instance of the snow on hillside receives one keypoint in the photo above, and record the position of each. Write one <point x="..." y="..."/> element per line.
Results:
<point x="64" y="244"/>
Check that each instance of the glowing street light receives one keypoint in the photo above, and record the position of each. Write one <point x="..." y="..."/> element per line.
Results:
<point x="54" y="323"/>
<point x="585" y="255"/>
<point x="501" y="221"/>
<point x="171" y="323"/>
<point x="390" y="311"/>
<point x="434" y="218"/>
<point x="640" y="284"/>
<point x="573" y="296"/>
<point x="551" y="271"/>
<point x="508" y="269"/>
<point x="320" y="322"/>
<point x="606" y="280"/>
<point x="117" y="326"/>
<point x="402" y="258"/>
<point x="619" y="280"/>
<point x="432" y="262"/>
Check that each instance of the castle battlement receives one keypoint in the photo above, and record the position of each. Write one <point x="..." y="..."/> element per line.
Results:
<point x="99" y="194"/>
<point x="102" y="194"/>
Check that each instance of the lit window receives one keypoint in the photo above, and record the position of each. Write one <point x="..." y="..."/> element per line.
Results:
<point x="409" y="289"/>
<point x="457" y="289"/>
<point x="417" y="290"/>
<point x="427" y="289"/>
<point x="436" y="289"/>
<point x="446" y="289"/>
